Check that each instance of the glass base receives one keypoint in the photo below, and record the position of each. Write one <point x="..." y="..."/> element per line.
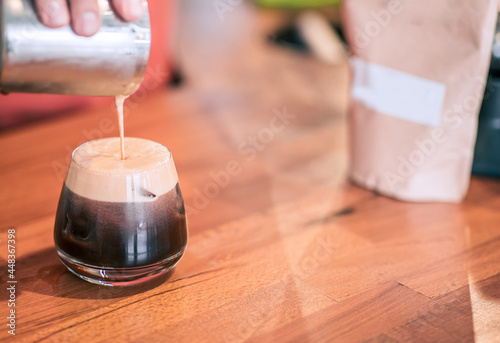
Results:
<point x="109" y="276"/>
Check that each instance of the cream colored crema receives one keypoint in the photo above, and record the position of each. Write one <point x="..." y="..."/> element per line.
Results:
<point x="97" y="172"/>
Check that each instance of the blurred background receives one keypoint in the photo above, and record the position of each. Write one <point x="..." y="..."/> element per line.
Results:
<point x="289" y="49"/>
<point x="182" y="31"/>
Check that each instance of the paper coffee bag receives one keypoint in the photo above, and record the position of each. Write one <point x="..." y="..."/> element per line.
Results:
<point x="419" y="74"/>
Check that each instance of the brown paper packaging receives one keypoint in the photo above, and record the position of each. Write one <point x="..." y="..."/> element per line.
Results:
<point x="419" y="73"/>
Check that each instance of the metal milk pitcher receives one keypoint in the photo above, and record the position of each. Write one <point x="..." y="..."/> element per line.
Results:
<point x="38" y="59"/>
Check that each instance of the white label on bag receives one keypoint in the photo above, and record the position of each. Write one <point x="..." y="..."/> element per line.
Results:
<point x="397" y="94"/>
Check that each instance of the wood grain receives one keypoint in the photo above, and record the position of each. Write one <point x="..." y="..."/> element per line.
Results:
<point x="288" y="250"/>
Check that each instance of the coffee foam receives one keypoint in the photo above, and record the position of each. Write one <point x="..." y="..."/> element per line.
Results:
<point x="98" y="173"/>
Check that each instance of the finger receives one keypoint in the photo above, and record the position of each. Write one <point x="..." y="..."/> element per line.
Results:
<point x="53" y="13"/>
<point x="85" y="17"/>
<point x="128" y="10"/>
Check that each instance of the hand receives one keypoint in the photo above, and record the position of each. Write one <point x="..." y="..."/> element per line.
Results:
<point x="84" y="14"/>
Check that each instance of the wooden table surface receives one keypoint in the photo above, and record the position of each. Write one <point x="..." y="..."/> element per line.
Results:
<point x="285" y="249"/>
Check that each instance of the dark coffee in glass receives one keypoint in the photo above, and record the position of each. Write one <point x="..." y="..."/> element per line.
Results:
<point x="120" y="222"/>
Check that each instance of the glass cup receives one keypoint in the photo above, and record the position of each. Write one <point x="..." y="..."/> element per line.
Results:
<point x="120" y="222"/>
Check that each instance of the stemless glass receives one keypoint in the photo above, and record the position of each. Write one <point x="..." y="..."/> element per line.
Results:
<point x="120" y="222"/>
